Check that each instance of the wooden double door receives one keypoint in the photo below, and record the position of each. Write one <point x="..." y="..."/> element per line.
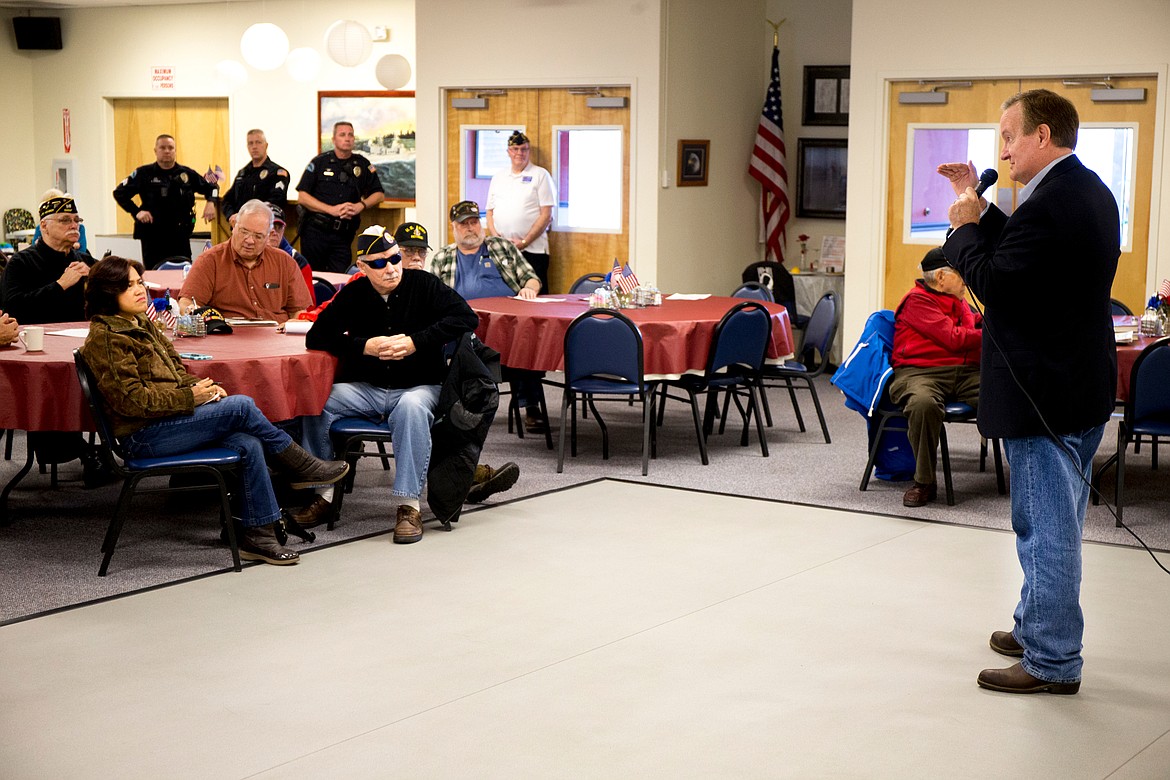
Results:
<point x="541" y="113"/>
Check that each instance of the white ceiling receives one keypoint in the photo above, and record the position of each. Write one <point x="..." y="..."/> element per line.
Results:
<point x="40" y="6"/>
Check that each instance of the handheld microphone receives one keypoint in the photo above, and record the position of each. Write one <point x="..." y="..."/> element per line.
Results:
<point x="986" y="179"/>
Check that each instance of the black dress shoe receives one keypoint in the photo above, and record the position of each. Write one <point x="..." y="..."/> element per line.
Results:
<point x="1004" y="643"/>
<point x="1015" y="680"/>
<point x="95" y="472"/>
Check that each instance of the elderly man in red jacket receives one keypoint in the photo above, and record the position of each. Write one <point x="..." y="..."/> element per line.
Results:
<point x="936" y="362"/>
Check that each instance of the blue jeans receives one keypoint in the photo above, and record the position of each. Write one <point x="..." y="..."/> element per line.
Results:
<point x="1049" y="500"/>
<point x="410" y="414"/>
<point x="235" y="423"/>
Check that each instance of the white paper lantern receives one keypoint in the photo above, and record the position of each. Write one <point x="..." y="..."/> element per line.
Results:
<point x="348" y="43"/>
<point x="303" y="64"/>
<point x="231" y="73"/>
<point x="393" y="71"/>
<point x="264" y="46"/>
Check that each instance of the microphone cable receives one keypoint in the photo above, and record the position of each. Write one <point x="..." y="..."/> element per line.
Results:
<point x="1062" y="444"/>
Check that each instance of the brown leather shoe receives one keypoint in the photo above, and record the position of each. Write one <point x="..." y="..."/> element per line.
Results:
<point x="314" y="514"/>
<point x="533" y="423"/>
<point x="920" y="495"/>
<point x="488" y="481"/>
<point x="1004" y="643"/>
<point x="408" y="528"/>
<point x="1015" y="680"/>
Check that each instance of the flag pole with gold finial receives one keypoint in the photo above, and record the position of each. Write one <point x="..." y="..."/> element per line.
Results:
<point x="776" y="31"/>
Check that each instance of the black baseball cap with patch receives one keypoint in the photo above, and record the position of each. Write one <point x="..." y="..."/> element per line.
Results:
<point x="412" y="234"/>
<point x="277" y="214"/>
<point x="374" y="240"/>
<point x="213" y="321"/>
<point x="464" y="209"/>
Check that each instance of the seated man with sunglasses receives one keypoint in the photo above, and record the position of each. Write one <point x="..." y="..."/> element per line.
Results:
<point x="388" y="329"/>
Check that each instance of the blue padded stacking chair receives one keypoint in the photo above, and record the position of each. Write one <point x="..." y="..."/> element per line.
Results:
<point x="214" y="462"/>
<point x="793" y="375"/>
<point x="587" y="283"/>
<point x="753" y="291"/>
<point x="1147" y="410"/>
<point x="603" y="357"/>
<point x="733" y="365"/>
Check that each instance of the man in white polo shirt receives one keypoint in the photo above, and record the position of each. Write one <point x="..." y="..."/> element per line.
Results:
<point x="520" y="204"/>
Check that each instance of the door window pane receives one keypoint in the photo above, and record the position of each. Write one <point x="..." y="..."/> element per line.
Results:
<point x="484" y="154"/>
<point x="1110" y="150"/>
<point x="588" y="172"/>
<point x="928" y="195"/>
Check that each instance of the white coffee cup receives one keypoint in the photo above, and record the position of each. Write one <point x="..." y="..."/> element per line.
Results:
<point x="33" y="338"/>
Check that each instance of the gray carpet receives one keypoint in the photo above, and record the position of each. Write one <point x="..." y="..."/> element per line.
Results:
<point x="51" y="550"/>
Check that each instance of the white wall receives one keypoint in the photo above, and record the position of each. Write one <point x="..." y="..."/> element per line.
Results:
<point x="108" y="53"/>
<point x="714" y="80"/>
<point x="927" y="39"/>
<point x="813" y="33"/>
<point x="575" y="42"/>
<point x="16" y="124"/>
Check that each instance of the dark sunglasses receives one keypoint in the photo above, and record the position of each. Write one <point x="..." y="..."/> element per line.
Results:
<point x="381" y="262"/>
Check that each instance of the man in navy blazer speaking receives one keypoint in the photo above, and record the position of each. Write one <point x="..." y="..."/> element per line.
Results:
<point x="1047" y="395"/>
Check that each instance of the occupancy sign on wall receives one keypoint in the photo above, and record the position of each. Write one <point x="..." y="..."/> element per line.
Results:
<point x="162" y="78"/>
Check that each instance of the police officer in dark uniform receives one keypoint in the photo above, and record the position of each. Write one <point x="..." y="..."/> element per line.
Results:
<point x="165" y="220"/>
<point x="261" y="179"/>
<point x="333" y="191"/>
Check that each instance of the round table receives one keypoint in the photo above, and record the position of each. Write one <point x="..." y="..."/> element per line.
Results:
<point x="286" y="380"/>
<point x="676" y="336"/>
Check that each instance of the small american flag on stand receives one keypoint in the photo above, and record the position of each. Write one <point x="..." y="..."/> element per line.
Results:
<point x="1164" y="289"/>
<point x="627" y="280"/>
<point x="152" y="309"/>
<point x="615" y="274"/>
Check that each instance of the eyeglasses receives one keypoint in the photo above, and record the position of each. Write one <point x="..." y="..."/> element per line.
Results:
<point x="245" y="233"/>
<point x="67" y="220"/>
<point x="414" y="251"/>
<point x="381" y="262"/>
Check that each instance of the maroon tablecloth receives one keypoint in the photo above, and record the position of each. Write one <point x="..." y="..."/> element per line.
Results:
<point x="1127" y="355"/>
<point x="40" y="392"/>
<point x="676" y="336"/>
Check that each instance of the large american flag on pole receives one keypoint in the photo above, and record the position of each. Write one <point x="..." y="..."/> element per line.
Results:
<point x="769" y="169"/>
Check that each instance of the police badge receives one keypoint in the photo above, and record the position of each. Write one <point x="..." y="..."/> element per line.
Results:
<point x="357" y="170"/>
<point x="183" y="177"/>
<point x="263" y="174"/>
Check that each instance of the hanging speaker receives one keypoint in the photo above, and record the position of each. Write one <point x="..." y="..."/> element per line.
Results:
<point x="37" y="32"/>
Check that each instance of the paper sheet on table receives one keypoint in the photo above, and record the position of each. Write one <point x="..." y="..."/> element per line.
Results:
<point x="77" y="333"/>
<point x="541" y="300"/>
<point x="688" y="296"/>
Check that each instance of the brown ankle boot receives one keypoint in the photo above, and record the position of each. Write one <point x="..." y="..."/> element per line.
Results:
<point x="307" y="471"/>
<point x="258" y="543"/>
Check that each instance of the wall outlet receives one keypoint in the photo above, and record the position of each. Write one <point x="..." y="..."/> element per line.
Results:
<point x="381" y="33"/>
<point x="665" y="178"/>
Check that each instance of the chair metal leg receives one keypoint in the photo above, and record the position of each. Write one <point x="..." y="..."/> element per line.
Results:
<point x="795" y="403"/>
<point x="568" y="394"/>
<point x="764" y="398"/>
<point x="225" y="517"/>
<point x="755" y="406"/>
<point x="873" y="451"/>
<point x="946" y="459"/>
<point x="8" y="434"/>
<point x="1119" y="490"/>
<point x="115" y="528"/>
<point x="587" y="400"/>
<point x="698" y="428"/>
<point x="817" y="405"/>
<point x="647" y="424"/>
<point x="385" y="456"/>
<point x="25" y="469"/>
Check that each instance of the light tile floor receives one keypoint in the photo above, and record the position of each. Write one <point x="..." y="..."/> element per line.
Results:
<point x="608" y="630"/>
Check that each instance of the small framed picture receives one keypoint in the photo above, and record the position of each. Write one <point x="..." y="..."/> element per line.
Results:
<point x="821" y="177"/>
<point x="826" y="95"/>
<point x="692" y="163"/>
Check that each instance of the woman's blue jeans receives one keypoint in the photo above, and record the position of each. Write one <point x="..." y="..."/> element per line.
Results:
<point x="1050" y="494"/>
<point x="234" y="423"/>
<point x="409" y="414"/>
